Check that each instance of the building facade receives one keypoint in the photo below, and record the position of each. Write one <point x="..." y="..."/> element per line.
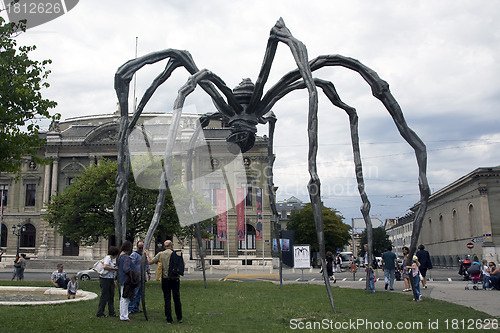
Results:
<point x="74" y="144"/>
<point x="462" y="219"/>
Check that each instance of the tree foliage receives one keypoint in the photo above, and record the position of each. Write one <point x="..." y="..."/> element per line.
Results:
<point x="83" y="212"/>
<point x="380" y="242"/>
<point x="336" y="232"/>
<point x="21" y="101"/>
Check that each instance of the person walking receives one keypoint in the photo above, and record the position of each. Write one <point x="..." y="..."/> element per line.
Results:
<point x="107" y="283"/>
<point x="17" y="265"/>
<point x="425" y="263"/>
<point x="169" y="285"/>
<point x="389" y="262"/>
<point x="330" y="266"/>
<point x="123" y="269"/>
<point x="20" y="271"/>
<point x="135" y="265"/>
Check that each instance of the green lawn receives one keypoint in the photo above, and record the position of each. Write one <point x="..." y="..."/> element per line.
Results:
<point x="244" y="307"/>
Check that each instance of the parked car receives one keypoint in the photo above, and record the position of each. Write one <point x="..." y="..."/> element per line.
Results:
<point x="87" y="274"/>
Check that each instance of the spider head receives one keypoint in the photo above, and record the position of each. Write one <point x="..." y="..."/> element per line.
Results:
<point x="243" y="125"/>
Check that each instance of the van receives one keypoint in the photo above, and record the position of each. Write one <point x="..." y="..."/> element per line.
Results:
<point x="346" y="258"/>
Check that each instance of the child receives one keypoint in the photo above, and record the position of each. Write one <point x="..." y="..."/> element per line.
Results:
<point x="416" y="277"/>
<point x="372" y="279"/>
<point x="486" y="274"/>
<point x="72" y="287"/>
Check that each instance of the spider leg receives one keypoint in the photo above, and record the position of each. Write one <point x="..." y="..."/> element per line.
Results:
<point x="167" y="176"/>
<point x="280" y="33"/>
<point x="330" y="91"/>
<point x="123" y="78"/>
<point x="271" y="119"/>
<point x="204" y="121"/>
<point x="380" y="90"/>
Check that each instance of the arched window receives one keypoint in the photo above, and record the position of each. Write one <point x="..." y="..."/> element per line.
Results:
<point x="250" y="239"/>
<point x="472" y="221"/>
<point x="28" y="237"/>
<point x="430" y="231"/>
<point x="441" y="228"/>
<point x="454" y="223"/>
<point x="3" y="242"/>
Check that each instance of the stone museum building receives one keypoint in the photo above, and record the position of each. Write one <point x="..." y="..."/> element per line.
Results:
<point x="76" y="143"/>
<point x="462" y="219"/>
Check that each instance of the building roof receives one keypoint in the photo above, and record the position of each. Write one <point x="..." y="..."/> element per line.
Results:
<point x="359" y="223"/>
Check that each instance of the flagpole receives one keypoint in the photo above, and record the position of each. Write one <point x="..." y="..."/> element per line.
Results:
<point x="135" y="75"/>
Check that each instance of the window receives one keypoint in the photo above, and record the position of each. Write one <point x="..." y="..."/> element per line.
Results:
<point x="250" y="239"/>
<point x="30" y="194"/>
<point x="248" y="200"/>
<point x="213" y="192"/>
<point x="3" y="241"/>
<point x="4" y="190"/>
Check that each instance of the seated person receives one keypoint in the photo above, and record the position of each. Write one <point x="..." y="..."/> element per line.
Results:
<point x="494" y="275"/>
<point x="59" y="278"/>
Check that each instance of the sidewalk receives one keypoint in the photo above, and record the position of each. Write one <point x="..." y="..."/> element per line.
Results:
<point x="452" y="292"/>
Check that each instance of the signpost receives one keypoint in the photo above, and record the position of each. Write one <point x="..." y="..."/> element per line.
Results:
<point x="302" y="257"/>
<point x="470" y="246"/>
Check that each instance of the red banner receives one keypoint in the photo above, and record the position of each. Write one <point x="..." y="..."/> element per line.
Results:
<point x="240" y="213"/>
<point x="222" y="216"/>
<point x="258" y="200"/>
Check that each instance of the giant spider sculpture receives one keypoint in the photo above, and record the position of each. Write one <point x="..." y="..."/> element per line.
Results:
<point x="245" y="107"/>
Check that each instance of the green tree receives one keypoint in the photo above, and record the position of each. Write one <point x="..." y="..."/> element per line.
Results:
<point x="380" y="242"/>
<point x="83" y="212"/>
<point x="336" y="232"/>
<point x="21" y="102"/>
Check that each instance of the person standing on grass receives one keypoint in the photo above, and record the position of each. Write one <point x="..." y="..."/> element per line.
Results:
<point x="107" y="283"/>
<point x="389" y="262"/>
<point x="425" y="263"/>
<point x="416" y="277"/>
<point x="406" y="262"/>
<point x="123" y="269"/>
<point x="135" y="262"/>
<point x="169" y="285"/>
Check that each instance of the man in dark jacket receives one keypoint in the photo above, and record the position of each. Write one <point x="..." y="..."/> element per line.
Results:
<point x="169" y="284"/>
<point x="425" y="263"/>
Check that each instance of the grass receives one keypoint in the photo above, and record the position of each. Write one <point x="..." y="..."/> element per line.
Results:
<point x="243" y="307"/>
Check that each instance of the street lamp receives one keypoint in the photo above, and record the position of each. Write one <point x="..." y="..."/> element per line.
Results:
<point x="17" y="230"/>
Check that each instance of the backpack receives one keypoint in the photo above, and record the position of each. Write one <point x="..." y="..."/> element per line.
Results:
<point x="176" y="265"/>
<point x="99" y="267"/>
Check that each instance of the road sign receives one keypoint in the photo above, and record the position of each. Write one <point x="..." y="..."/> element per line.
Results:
<point x="470" y="245"/>
<point x="477" y="240"/>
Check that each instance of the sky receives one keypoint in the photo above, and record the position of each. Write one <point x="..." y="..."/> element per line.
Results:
<point x="440" y="58"/>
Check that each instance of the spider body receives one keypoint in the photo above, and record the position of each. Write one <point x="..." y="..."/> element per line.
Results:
<point x="243" y="125"/>
<point x="248" y="105"/>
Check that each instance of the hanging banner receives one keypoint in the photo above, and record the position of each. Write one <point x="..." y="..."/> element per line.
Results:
<point x="240" y="213"/>
<point x="258" y="200"/>
<point x="222" y="216"/>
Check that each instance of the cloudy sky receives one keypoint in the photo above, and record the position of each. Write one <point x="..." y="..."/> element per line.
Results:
<point x="441" y="59"/>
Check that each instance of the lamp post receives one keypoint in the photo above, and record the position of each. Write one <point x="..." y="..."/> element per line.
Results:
<point x="17" y="230"/>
